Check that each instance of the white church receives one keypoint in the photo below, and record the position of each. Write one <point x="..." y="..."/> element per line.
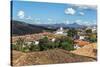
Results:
<point x="61" y="31"/>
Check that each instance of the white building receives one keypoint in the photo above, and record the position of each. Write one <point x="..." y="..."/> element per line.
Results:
<point x="94" y="29"/>
<point x="60" y="31"/>
<point x="53" y="40"/>
<point x="82" y="37"/>
<point x="76" y="46"/>
<point x="36" y="42"/>
<point x="28" y="43"/>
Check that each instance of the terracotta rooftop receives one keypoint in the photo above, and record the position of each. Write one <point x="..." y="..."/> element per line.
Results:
<point x="31" y="37"/>
<point x="81" y="43"/>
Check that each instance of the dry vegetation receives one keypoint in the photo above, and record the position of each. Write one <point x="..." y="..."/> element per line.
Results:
<point x="89" y="50"/>
<point x="52" y="56"/>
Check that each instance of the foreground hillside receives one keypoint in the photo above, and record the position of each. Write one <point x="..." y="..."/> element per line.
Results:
<point x="89" y="50"/>
<point x="52" y="56"/>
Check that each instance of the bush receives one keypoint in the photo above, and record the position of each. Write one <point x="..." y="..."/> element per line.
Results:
<point x="19" y="44"/>
<point x="34" y="47"/>
<point x="92" y="38"/>
<point x="51" y="45"/>
<point x="44" y="44"/>
<point x="67" y="44"/>
<point x="57" y="44"/>
<point x="72" y="32"/>
<point x="13" y="46"/>
<point x="88" y="31"/>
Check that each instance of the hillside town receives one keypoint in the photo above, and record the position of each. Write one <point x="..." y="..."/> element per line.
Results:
<point x="80" y="38"/>
<point x="82" y="45"/>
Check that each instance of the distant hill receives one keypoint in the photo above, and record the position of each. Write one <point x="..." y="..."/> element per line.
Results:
<point x="21" y="28"/>
<point x="75" y="25"/>
<point x="56" y="26"/>
<point x="53" y="56"/>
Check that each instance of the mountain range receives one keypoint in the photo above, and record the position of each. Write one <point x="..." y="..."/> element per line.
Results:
<point x="21" y="28"/>
<point x="56" y="26"/>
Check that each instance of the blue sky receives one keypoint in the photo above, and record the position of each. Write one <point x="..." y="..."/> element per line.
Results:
<point x="52" y="13"/>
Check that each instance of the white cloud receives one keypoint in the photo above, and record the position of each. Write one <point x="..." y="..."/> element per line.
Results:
<point x="29" y="18"/>
<point x="89" y="7"/>
<point x="81" y="13"/>
<point x="94" y="7"/>
<point x="70" y="11"/>
<point x="78" y="21"/>
<point x="81" y="22"/>
<point x="49" y="19"/>
<point x="37" y="19"/>
<point x="21" y="14"/>
<point x="87" y="23"/>
<point x="82" y="7"/>
<point x="66" y="22"/>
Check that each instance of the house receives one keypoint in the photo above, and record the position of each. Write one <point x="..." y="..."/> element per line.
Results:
<point x="28" y="43"/>
<point x="81" y="37"/>
<point x="94" y="30"/>
<point x="36" y="42"/>
<point x="76" y="37"/>
<point x="80" y="43"/>
<point x="53" y="40"/>
<point x="76" y="46"/>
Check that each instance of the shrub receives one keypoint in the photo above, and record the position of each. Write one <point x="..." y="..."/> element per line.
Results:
<point x="88" y="31"/>
<point x="50" y="45"/>
<point x="43" y="44"/>
<point x="34" y="47"/>
<point x="67" y="44"/>
<point x="72" y="32"/>
<point x="92" y="38"/>
<point x="19" y="44"/>
<point x="63" y="42"/>
<point x="13" y="46"/>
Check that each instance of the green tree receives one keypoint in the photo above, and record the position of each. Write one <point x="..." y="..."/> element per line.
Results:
<point x="88" y="31"/>
<point x="67" y="43"/>
<point x="92" y="37"/>
<point x="43" y="44"/>
<point x="19" y="44"/>
<point x="72" y="32"/>
<point x="34" y="47"/>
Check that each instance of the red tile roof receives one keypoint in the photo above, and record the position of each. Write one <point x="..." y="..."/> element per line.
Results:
<point x="81" y="43"/>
